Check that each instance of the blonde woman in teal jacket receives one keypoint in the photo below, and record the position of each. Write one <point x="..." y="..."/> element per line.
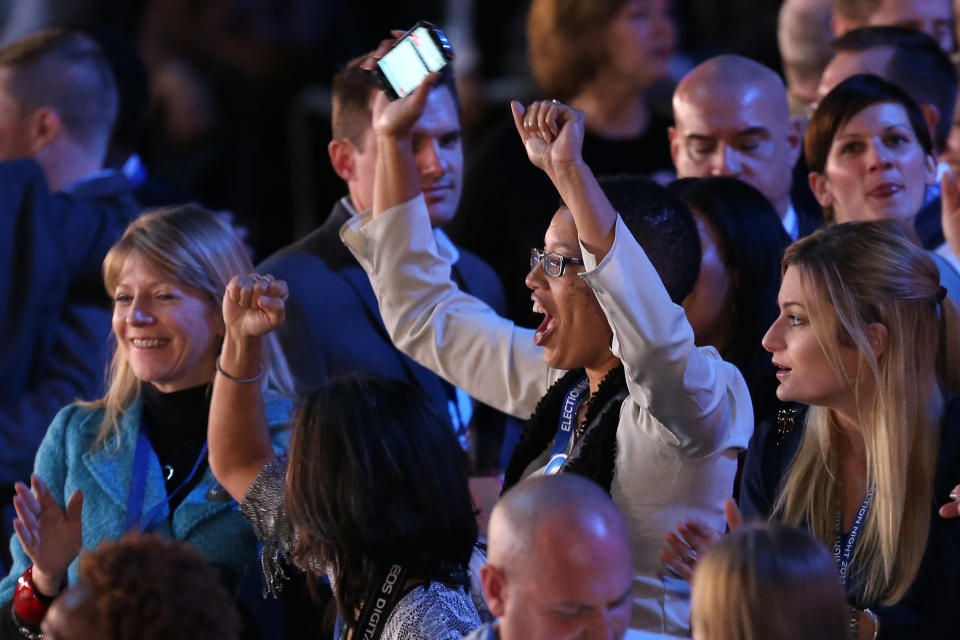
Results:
<point x="135" y="460"/>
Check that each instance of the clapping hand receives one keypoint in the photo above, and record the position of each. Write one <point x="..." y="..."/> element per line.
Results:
<point x="50" y="537"/>
<point x="254" y="305"/>
<point x="552" y="133"/>
<point x="693" y="539"/>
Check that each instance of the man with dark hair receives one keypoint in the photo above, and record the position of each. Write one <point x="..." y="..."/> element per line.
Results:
<point x="59" y="214"/>
<point x="333" y="323"/>
<point x="913" y="61"/>
<point x="933" y="17"/>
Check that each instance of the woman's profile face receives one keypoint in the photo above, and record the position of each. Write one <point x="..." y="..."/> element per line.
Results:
<point x="574" y="332"/>
<point x="876" y="168"/>
<point x="167" y="330"/>
<point x="640" y="41"/>
<point x="709" y="307"/>
<point x="803" y="369"/>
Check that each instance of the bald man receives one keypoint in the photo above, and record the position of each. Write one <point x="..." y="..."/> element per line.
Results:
<point x="558" y="563"/>
<point x="732" y="119"/>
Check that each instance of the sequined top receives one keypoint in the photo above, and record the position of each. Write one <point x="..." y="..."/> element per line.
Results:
<point x="433" y="611"/>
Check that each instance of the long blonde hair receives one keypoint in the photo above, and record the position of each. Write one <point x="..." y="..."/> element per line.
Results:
<point x="863" y="273"/>
<point x="195" y="247"/>
<point x="768" y="582"/>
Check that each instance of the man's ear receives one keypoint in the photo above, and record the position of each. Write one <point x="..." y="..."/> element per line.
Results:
<point x="494" y="589"/>
<point x="794" y="140"/>
<point x="45" y="125"/>
<point x="342" y="157"/>
<point x="931" y="114"/>
<point x="674" y="144"/>
<point x="877" y="333"/>
<point x="818" y="185"/>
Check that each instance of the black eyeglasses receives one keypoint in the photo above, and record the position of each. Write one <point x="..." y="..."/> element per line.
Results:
<point x="553" y="264"/>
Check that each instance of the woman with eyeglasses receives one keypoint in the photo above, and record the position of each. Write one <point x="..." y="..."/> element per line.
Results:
<point x="617" y="389"/>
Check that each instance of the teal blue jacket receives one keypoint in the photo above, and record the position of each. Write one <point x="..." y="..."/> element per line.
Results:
<point x="207" y="519"/>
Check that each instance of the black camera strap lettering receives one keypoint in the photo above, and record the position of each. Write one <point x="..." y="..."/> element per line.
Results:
<point x="379" y="604"/>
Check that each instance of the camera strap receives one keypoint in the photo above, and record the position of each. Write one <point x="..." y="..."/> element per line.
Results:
<point x="378" y="606"/>
<point x="568" y="413"/>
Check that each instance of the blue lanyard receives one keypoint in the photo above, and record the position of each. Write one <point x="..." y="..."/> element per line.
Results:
<point x="568" y="412"/>
<point x="138" y="486"/>
<point x="843" y="553"/>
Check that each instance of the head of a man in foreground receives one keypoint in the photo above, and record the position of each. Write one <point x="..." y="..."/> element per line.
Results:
<point x="559" y="562"/>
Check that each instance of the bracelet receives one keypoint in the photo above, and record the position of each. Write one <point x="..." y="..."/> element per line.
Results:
<point x="875" y="620"/>
<point x="23" y="629"/>
<point x="29" y="605"/>
<point x="239" y="380"/>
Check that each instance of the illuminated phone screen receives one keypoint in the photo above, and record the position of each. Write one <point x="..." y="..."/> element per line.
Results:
<point x="431" y="55"/>
<point x="411" y="59"/>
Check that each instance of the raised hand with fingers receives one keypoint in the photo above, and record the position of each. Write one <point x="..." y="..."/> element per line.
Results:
<point x="396" y="118"/>
<point x="696" y="538"/>
<point x="254" y="305"/>
<point x="50" y="537"/>
<point x="552" y="133"/>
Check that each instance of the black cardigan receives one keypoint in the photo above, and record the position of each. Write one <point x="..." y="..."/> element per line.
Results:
<point x="929" y="608"/>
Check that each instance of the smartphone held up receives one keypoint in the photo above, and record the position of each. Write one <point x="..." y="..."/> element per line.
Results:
<point x="418" y="53"/>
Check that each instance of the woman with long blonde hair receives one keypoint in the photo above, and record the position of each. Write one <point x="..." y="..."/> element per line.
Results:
<point x="135" y="460"/>
<point x="867" y="338"/>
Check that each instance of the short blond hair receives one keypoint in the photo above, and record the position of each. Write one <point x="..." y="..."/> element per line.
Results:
<point x="768" y="582"/>
<point x="67" y="72"/>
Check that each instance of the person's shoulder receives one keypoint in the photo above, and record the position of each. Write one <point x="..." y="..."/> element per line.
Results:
<point x="278" y="408"/>
<point x="483" y="632"/>
<point x="434" y="611"/>
<point x="318" y="254"/>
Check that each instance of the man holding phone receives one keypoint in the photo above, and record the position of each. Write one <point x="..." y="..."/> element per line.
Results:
<point x="333" y="322"/>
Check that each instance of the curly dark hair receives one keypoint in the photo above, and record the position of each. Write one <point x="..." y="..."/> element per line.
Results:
<point x="151" y="588"/>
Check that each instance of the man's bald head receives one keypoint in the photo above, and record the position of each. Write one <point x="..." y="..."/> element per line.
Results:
<point x="735" y="76"/>
<point x="732" y="119"/>
<point x="558" y="560"/>
<point x="540" y="509"/>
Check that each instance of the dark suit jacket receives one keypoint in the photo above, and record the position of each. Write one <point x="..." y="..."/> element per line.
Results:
<point x="54" y="312"/>
<point x="333" y="323"/>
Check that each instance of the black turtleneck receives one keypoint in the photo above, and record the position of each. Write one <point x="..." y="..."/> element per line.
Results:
<point x="176" y="425"/>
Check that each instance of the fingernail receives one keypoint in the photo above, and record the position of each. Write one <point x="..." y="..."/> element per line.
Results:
<point x="955" y="494"/>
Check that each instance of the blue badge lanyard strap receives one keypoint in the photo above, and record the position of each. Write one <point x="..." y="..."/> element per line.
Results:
<point x="568" y="413"/>
<point x="138" y="486"/>
<point x="843" y="551"/>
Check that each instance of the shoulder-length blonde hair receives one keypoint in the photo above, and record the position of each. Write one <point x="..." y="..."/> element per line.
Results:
<point x="200" y="249"/>
<point x="853" y="275"/>
<point x="768" y="582"/>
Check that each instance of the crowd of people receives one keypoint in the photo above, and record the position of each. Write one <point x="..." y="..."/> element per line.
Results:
<point x="669" y="376"/>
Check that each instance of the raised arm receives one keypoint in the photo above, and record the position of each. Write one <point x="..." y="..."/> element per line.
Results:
<point x="552" y="134"/>
<point x="700" y="402"/>
<point x="237" y="432"/>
